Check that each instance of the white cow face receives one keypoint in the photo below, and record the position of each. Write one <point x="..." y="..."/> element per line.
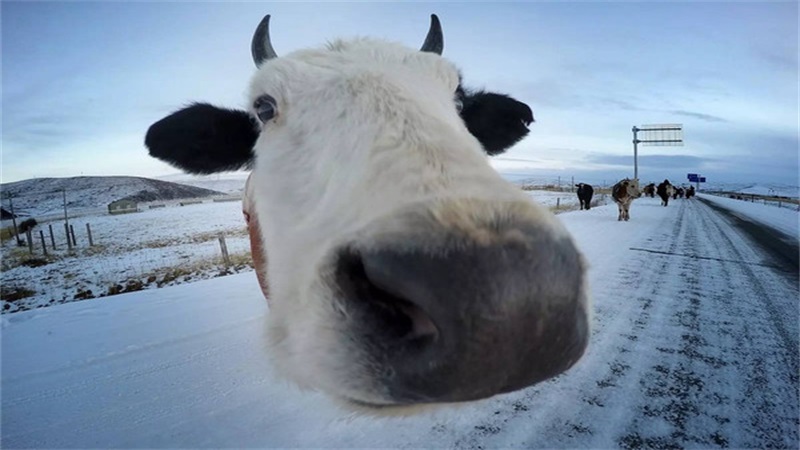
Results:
<point x="403" y="270"/>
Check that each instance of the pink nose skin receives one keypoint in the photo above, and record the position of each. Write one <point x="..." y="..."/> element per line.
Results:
<point x="256" y="245"/>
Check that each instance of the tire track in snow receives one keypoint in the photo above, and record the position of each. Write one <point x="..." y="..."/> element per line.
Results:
<point x="611" y="362"/>
<point x="712" y="387"/>
<point x="694" y="357"/>
<point x="766" y="352"/>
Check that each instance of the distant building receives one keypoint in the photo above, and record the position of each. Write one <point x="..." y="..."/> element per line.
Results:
<point x="122" y="207"/>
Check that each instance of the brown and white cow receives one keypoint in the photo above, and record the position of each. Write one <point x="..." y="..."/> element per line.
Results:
<point x="403" y="270"/>
<point x="624" y="193"/>
<point x="650" y="190"/>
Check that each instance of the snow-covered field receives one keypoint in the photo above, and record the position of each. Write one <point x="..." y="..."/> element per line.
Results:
<point x="152" y="248"/>
<point x="770" y="190"/>
<point x="694" y="344"/>
<point x="155" y="247"/>
<point x="783" y="219"/>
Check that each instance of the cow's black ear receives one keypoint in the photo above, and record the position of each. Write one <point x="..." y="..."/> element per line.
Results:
<point x="497" y="120"/>
<point x="203" y="139"/>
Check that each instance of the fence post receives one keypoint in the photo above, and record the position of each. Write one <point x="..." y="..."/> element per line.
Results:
<point x="89" y="233"/>
<point x="52" y="238"/>
<point x="224" y="247"/>
<point x="72" y="232"/>
<point x="558" y="202"/>
<point x="69" y="241"/>
<point x="30" y="240"/>
<point x="44" y="246"/>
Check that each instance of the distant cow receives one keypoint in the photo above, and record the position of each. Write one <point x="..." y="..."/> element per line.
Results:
<point x="650" y="190"/>
<point x="624" y="192"/>
<point x="665" y="191"/>
<point x="677" y="193"/>
<point x="690" y="192"/>
<point x="585" y="192"/>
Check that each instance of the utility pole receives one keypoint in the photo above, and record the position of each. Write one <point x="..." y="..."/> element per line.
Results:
<point x="13" y="216"/>
<point x="635" y="154"/>
<point x="66" y="218"/>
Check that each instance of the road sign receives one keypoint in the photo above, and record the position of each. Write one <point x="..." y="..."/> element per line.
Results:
<point x="694" y="178"/>
<point x="691" y="175"/>
<point x="702" y="179"/>
<point x="662" y="134"/>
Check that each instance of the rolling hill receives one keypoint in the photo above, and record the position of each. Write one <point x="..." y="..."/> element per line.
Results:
<point x="45" y="196"/>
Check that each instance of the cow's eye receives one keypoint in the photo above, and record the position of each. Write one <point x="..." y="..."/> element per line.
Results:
<point x="459" y="104"/>
<point x="266" y="108"/>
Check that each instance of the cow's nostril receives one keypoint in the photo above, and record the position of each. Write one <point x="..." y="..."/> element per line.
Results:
<point x="392" y="317"/>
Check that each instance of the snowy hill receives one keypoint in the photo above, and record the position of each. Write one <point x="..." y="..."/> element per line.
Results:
<point x="45" y="196"/>
<point x="229" y="183"/>
<point x="769" y="190"/>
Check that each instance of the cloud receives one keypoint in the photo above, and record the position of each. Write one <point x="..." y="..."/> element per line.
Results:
<point x="654" y="161"/>
<point x="696" y="115"/>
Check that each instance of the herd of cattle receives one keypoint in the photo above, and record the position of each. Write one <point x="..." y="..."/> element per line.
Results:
<point x="626" y="190"/>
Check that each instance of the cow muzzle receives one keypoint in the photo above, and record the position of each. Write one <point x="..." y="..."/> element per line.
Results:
<point x="445" y="312"/>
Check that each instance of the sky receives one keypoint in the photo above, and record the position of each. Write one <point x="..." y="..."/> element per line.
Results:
<point x="82" y="81"/>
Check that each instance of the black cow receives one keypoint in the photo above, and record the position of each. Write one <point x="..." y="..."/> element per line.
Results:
<point x="650" y="190"/>
<point x="690" y="192"/>
<point x="665" y="191"/>
<point x="585" y="192"/>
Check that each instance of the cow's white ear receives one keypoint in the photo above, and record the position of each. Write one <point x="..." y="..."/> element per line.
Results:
<point x="203" y="139"/>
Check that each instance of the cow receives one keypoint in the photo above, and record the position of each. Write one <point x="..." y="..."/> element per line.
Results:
<point x="403" y="270"/>
<point x="624" y="193"/>
<point x="677" y="192"/>
<point x="650" y="190"/>
<point x="585" y="192"/>
<point x="690" y="192"/>
<point x="665" y="191"/>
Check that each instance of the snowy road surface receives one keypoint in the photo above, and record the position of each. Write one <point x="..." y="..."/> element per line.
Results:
<point x="695" y="344"/>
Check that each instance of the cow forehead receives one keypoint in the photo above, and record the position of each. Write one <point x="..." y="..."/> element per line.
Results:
<point x="305" y="69"/>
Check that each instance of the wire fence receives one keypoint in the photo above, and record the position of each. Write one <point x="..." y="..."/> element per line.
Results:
<point x="99" y="256"/>
<point x="780" y="202"/>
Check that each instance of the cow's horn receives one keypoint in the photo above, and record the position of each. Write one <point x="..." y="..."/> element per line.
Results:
<point x="261" y="47"/>
<point x="434" y="41"/>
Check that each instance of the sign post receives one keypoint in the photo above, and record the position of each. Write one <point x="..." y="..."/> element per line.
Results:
<point x="659" y="135"/>
<point x="695" y="178"/>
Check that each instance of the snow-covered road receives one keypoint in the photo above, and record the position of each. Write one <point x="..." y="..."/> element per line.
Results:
<point x="695" y="344"/>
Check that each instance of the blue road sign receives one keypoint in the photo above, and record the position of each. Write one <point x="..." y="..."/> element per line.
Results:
<point x="691" y="175"/>
<point x="702" y="179"/>
<point x="693" y="179"/>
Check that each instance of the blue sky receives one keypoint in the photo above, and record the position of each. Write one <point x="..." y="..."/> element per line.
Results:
<point x="83" y="81"/>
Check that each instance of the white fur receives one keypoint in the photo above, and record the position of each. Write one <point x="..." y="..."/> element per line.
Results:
<point x="364" y="128"/>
